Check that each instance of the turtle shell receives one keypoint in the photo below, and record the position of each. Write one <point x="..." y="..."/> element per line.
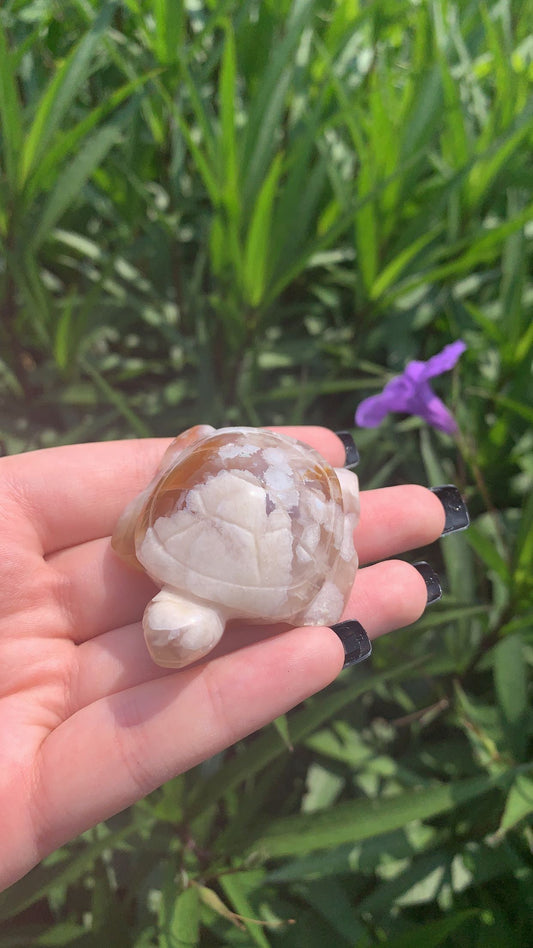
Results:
<point x="252" y="521"/>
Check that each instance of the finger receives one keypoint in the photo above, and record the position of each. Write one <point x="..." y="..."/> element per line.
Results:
<point x="76" y="493"/>
<point x="396" y="519"/>
<point x="102" y="593"/>
<point x="386" y="596"/>
<point x="118" y="749"/>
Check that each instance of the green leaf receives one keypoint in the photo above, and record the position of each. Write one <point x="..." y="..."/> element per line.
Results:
<point x="360" y="819"/>
<point x="63" y="336"/>
<point x="484" y="173"/>
<point x="447" y="614"/>
<point x="422" y="110"/>
<point x="455" y="138"/>
<point x="37" y="884"/>
<point x="282" y="727"/>
<point x="236" y="886"/>
<point x="482" y="724"/>
<point x="207" y="154"/>
<point x="366" y="857"/>
<point x="264" y="120"/>
<point x="367" y="230"/>
<point x="519" y="408"/>
<point x="257" y="248"/>
<point x="487" y="552"/>
<point x="519" y="803"/>
<point x="206" y="168"/>
<point x="467" y="256"/>
<point x="170" y="29"/>
<point x="432" y="934"/>
<point x="73" y="178"/>
<point x="323" y="787"/>
<point x="442" y="874"/>
<point x="523" y="623"/>
<point x="457" y="558"/>
<point x="116" y="398"/>
<point x="511" y="682"/>
<point x="330" y="899"/>
<point x="72" y="139"/>
<point x="523" y="554"/>
<point x="228" y="139"/>
<point x="180" y="924"/>
<point x="395" y="268"/>
<point x="10" y="111"/>
<point x="270" y="745"/>
<point x="54" y="936"/>
<point x="230" y="193"/>
<point x="61" y="93"/>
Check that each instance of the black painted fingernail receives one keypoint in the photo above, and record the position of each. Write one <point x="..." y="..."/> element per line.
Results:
<point x="432" y="581"/>
<point x="352" y="454"/>
<point x="454" y="507"/>
<point x="357" y="646"/>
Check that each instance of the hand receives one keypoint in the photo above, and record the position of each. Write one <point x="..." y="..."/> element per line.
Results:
<point x="88" y="723"/>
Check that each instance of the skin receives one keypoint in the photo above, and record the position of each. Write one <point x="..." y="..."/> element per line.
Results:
<point x="89" y="723"/>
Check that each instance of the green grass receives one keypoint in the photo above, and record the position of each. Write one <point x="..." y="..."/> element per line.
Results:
<point x="244" y="212"/>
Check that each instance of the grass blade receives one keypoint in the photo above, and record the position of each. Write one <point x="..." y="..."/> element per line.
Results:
<point x="10" y="111"/>
<point x="362" y="819"/>
<point x="61" y="92"/>
<point x="117" y="399"/>
<point x="72" y="139"/>
<point x="170" y="29"/>
<point x="519" y="803"/>
<point x="270" y="744"/>
<point x="264" y="120"/>
<point x="511" y="683"/>
<point x="37" y="884"/>
<point x="257" y="248"/>
<point x="433" y="934"/>
<point x="73" y="178"/>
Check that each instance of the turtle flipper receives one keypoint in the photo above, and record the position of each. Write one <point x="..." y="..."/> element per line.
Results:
<point x="179" y="630"/>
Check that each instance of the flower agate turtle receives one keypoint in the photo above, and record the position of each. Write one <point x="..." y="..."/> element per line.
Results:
<point x="239" y="523"/>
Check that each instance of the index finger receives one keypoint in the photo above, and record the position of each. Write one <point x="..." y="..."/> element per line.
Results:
<point x="76" y="493"/>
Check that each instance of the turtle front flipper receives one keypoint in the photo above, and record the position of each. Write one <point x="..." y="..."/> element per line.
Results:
<point x="179" y="630"/>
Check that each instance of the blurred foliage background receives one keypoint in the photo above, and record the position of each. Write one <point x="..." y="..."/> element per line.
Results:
<point x="257" y="212"/>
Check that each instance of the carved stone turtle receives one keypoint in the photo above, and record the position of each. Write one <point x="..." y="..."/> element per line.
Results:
<point x="239" y="523"/>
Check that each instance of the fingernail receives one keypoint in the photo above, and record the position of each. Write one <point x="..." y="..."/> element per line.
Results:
<point x="352" y="454"/>
<point x="357" y="646"/>
<point x="432" y="581"/>
<point x="454" y="507"/>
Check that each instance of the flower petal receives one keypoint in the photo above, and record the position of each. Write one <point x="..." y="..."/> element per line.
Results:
<point x="434" y="411"/>
<point x="412" y="393"/>
<point x="396" y="396"/>
<point x="371" y="411"/>
<point x="444" y="360"/>
<point x="415" y="371"/>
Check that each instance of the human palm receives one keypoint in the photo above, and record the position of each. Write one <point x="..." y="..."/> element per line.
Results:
<point x="88" y="723"/>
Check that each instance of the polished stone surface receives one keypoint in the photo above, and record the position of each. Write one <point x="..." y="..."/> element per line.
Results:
<point x="240" y="523"/>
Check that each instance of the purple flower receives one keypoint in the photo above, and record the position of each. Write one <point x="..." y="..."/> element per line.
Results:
<point x="412" y="393"/>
